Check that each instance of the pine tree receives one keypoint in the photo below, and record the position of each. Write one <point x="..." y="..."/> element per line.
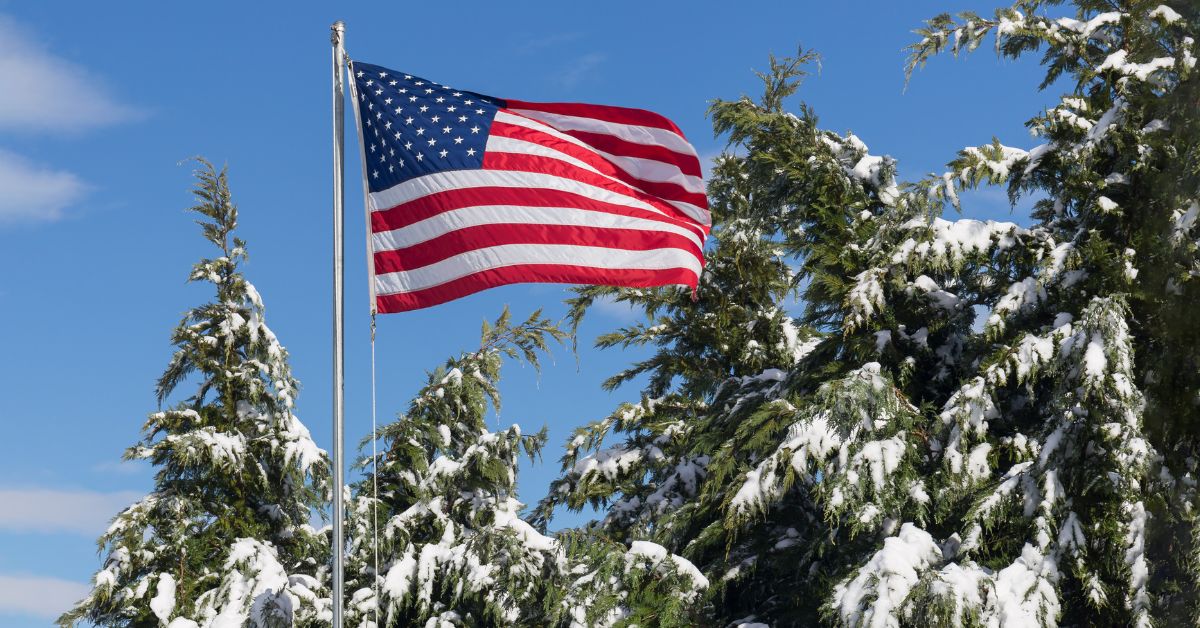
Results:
<point x="224" y="538"/>
<point x="452" y="547"/>
<point x="906" y="466"/>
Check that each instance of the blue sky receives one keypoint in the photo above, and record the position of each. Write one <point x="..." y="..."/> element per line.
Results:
<point x="100" y="105"/>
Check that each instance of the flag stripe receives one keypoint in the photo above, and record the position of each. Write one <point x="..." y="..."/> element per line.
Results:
<point x="534" y="273"/>
<point x="633" y="170"/>
<point x="542" y="146"/>
<point x="509" y="215"/>
<point x="465" y="239"/>
<point x="517" y="181"/>
<point x="430" y="208"/>
<point x="632" y="133"/>
<point x="603" y="113"/>
<point x="536" y="164"/>
<point x="474" y="261"/>
<point x="688" y="164"/>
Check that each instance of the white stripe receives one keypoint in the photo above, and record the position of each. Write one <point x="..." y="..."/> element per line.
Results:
<point x="459" y="179"/>
<point x="446" y="222"/>
<point x="472" y="262"/>
<point x="636" y="167"/>
<point x="647" y="135"/>
<point x="513" y="146"/>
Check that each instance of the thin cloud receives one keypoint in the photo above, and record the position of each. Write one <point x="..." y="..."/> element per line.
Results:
<point x="45" y="598"/>
<point x="621" y="310"/>
<point x="581" y="69"/>
<point x="43" y="92"/>
<point x="59" y="511"/>
<point x="531" y="46"/>
<point x="34" y="193"/>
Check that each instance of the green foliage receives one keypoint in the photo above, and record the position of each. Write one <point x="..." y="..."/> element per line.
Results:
<point x="882" y="459"/>
<point x="237" y="473"/>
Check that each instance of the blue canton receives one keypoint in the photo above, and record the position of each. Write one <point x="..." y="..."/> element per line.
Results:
<point x="412" y="127"/>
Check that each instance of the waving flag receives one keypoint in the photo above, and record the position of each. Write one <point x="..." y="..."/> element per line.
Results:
<point x="468" y="192"/>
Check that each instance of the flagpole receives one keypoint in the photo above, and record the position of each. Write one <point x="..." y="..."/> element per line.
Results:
<point x="337" y="38"/>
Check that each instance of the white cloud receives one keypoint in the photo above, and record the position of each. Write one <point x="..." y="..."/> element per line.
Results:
<point x="620" y="310"/>
<point x="34" y="193"/>
<point x="581" y="68"/>
<point x="41" y="597"/>
<point x="43" y="92"/>
<point x="49" y="510"/>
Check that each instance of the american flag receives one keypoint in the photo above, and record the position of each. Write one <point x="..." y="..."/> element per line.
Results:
<point x="468" y="192"/>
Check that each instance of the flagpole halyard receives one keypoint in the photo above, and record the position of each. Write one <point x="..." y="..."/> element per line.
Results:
<point x="337" y="38"/>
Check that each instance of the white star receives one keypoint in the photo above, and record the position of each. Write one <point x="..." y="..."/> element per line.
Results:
<point x="369" y="82"/>
<point x="457" y="94"/>
<point x="451" y="108"/>
<point x="401" y="163"/>
<point x="392" y="83"/>
<point x="420" y="131"/>
<point x="462" y="118"/>
<point x="387" y="101"/>
<point x="403" y="90"/>
<point x="432" y="141"/>
<point x="443" y="153"/>
<point x="445" y="129"/>
<point x="418" y="82"/>
<point x="372" y="147"/>
<point x="479" y="111"/>
<point x="420" y="157"/>
<point x="440" y="99"/>
<point x="435" y="118"/>
<point x="360" y="74"/>
<point x="391" y="168"/>
<point x="424" y="108"/>
<point x="379" y="115"/>
<point x="378" y="92"/>
<point x="470" y="152"/>
<point x="408" y="120"/>
<point x="412" y="99"/>
<point x="388" y="125"/>
<point x="458" y="140"/>
<point x="375" y="174"/>
<point x="468" y="102"/>
<point x="408" y="145"/>
<point x="475" y="129"/>
<point x="383" y="75"/>
<point x="397" y="135"/>
<point x="408" y="77"/>
<point x="428" y="91"/>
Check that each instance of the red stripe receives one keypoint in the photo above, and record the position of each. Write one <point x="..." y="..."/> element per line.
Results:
<point x="533" y="273"/>
<point x="558" y="168"/>
<point x="687" y="163"/>
<point x="429" y="206"/>
<point x="466" y="239"/>
<point x="666" y="190"/>
<point x="604" y="113"/>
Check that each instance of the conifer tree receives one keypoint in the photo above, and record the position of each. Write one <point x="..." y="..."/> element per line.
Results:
<point x="224" y="538"/>
<point x="452" y="547"/>
<point x="908" y="466"/>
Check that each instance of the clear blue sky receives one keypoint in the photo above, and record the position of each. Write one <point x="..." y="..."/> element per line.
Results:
<point x="99" y="103"/>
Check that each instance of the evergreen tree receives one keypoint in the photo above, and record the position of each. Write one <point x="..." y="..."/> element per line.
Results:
<point x="224" y="538"/>
<point x="903" y="465"/>
<point x="452" y="547"/>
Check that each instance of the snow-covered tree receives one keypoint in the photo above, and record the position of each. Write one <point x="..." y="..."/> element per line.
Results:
<point x="224" y="538"/>
<point x="452" y="547"/>
<point x="901" y="464"/>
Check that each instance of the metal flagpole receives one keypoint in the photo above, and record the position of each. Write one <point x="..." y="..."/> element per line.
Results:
<point x="337" y="38"/>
